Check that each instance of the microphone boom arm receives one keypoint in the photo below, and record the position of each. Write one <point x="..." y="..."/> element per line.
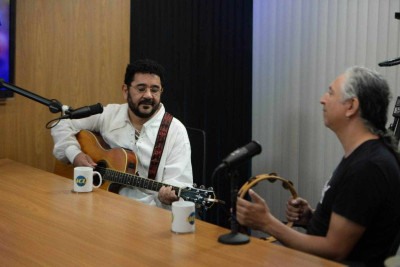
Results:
<point x="54" y="105"/>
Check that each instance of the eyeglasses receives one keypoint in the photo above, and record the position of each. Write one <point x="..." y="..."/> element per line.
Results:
<point x="141" y="89"/>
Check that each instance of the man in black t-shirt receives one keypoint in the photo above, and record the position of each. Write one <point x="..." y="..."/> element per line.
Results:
<point x="364" y="188"/>
<point x="357" y="218"/>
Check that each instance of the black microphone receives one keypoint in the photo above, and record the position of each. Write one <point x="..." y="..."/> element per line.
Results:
<point x="389" y="63"/>
<point x="83" y="112"/>
<point x="241" y="154"/>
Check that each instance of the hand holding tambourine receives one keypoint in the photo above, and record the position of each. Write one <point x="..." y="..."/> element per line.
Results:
<point x="272" y="177"/>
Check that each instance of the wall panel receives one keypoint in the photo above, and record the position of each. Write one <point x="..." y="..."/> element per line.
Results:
<point x="74" y="51"/>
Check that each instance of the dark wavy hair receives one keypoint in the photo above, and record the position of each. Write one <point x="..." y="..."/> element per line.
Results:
<point x="373" y="94"/>
<point x="144" y="66"/>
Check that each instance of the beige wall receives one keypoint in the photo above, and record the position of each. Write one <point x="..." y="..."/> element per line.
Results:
<point x="75" y="51"/>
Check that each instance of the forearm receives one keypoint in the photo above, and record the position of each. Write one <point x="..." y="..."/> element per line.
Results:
<point x="316" y="245"/>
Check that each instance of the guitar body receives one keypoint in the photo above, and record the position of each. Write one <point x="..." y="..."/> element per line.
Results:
<point x="117" y="159"/>
<point x="117" y="167"/>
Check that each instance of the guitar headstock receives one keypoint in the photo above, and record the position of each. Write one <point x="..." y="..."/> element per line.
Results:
<point x="200" y="196"/>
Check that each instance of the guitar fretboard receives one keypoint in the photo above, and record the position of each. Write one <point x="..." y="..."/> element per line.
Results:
<point x="133" y="180"/>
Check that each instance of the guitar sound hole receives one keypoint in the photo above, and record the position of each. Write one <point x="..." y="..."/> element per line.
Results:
<point x="102" y="164"/>
<point x="111" y="187"/>
<point x="131" y="165"/>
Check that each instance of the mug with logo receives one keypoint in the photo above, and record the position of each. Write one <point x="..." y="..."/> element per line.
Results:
<point x="183" y="217"/>
<point x="83" y="179"/>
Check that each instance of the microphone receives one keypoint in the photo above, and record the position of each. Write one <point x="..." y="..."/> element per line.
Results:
<point x="83" y="112"/>
<point x="389" y="63"/>
<point x="235" y="158"/>
<point x="241" y="154"/>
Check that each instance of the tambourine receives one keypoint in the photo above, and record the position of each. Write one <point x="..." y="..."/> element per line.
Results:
<point x="272" y="177"/>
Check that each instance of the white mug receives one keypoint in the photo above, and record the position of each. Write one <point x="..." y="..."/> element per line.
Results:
<point x="83" y="179"/>
<point x="393" y="261"/>
<point x="183" y="217"/>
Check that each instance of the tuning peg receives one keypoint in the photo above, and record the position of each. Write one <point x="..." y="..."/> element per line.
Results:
<point x="210" y="188"/>
<point x="195" y="185"/>
<point x="202" y="187"/>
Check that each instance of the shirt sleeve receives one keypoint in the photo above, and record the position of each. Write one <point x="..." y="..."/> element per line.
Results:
<point x="177" y="169"/>
<point x="361" y="194"/>
<point x="66" y="146"/>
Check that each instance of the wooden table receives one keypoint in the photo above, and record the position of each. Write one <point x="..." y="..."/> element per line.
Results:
<point x="43" y="223"/>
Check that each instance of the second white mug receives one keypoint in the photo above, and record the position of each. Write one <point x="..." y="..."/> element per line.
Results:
<point x="183" y="217"/>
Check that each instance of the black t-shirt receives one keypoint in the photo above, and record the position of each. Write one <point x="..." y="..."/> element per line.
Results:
<point x="364" y="188"/>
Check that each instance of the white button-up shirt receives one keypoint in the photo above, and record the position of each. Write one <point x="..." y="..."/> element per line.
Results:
<point x="113" y="124"/>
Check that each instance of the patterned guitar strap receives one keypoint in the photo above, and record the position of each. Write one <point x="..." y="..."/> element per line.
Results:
<point x="159" y="145"/>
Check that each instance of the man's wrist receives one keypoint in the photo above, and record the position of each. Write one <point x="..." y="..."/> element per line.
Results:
<point x="71" y="152"/>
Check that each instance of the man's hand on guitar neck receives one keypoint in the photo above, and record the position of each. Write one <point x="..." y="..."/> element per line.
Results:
<point x="83" y="160"/>
<point x="166" y="195"/>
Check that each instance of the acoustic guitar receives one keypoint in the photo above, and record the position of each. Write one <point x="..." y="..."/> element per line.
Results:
<point x="118" y="167"/>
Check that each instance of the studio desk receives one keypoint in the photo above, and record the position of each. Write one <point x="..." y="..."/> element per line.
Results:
<point x="43" y="223"/>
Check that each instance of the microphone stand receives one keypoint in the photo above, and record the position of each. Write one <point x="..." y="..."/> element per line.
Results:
<point x="394" y="127"/>
<point x="54" y="105"/>
<point x="234" y="237"/>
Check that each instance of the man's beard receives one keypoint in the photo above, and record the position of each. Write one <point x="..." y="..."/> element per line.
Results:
<point x="135" y="108"/>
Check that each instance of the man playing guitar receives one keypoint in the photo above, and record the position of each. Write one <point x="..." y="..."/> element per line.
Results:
<point x="135" y="126"/>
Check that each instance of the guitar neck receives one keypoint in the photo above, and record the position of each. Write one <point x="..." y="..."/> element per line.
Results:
<point x="133" y="180"/>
